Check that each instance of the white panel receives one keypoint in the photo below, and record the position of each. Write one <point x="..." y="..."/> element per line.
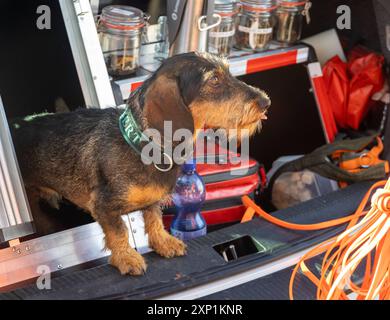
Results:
<point x="238" y="68"/>
<point x="315" y="70"/>
<point x="302" y="55"/>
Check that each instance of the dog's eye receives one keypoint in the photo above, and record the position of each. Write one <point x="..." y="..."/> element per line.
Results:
<point x="214" y="80"/>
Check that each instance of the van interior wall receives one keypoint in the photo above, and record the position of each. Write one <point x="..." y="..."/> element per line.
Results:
<point x="363" y="22"/>
<point x="36" y="66"/>
<point x="294" y="126"/>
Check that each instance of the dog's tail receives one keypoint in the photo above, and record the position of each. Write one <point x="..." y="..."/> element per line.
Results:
<point x="17" y="123"/>
<point x="59" y="105"/>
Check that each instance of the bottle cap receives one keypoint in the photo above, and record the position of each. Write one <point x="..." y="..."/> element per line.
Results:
<point x="189" y="165"/>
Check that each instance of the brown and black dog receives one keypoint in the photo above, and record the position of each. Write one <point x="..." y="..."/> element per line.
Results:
<point x="81" y="156"/>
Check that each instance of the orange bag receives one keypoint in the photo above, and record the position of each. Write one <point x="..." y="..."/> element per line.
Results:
<point x="367" y="79"/>
<point x="350" y="87"/>
<point x="337" y="83"/>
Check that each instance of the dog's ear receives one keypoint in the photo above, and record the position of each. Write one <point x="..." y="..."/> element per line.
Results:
<point x="163" y="102"/>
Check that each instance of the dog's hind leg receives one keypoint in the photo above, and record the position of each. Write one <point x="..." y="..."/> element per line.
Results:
<point x="159" y="239"/>
<point x="51" y="197"/>
<point x="44" y="223"/>
<point x="123" y="256"/>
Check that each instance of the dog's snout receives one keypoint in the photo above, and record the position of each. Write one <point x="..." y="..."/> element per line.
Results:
<point x="261" y="98"/>
<point x="264" y="102"/>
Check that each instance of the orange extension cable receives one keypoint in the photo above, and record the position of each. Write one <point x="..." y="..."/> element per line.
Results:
<point x="366" y="238"/>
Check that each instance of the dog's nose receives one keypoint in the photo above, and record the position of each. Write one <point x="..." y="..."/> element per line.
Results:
<point x="264" y="102"/>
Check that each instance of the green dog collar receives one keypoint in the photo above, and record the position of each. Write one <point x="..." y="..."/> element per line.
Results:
<point x="130" y="130"/>
<point x="133" y="135"/>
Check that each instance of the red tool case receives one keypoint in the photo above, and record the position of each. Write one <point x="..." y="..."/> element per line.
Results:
<point x="226" y="183"/>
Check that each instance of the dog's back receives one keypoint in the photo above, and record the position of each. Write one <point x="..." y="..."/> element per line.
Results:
<point x="59" y="151"/>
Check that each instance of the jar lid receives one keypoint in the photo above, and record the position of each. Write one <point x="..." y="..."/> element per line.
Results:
<point x="123" y="17"/>
<point x="259" y="5"/>
<point x="225" y="7"/>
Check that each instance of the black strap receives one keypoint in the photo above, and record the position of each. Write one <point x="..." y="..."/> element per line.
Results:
<point x="319" y="162"/>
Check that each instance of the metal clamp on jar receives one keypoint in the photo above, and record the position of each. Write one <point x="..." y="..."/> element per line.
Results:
<point x="120" y="30"/>
<point x="221" y="37"/>
<point x="290" y="15"/>
<point x="256" y="24"/>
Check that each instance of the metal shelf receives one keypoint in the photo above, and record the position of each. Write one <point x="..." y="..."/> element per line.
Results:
<point x="241" y="63"/>
<point x="97" y="90"/>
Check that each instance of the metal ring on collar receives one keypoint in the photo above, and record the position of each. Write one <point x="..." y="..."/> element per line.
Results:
<point x="170" y="164"/>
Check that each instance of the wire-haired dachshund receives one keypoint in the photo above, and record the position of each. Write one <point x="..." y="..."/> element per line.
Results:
<point x="82" y="156"/>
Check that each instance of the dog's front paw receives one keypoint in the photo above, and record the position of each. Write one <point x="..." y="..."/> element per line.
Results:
<point x="129" y="263"/>
<point x="169" y="246"/>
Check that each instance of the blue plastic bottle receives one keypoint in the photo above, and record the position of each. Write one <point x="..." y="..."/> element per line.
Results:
<point x="189" y="195"/>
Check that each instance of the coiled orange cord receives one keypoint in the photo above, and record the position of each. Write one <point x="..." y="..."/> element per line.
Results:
<point x="366" y="237"/>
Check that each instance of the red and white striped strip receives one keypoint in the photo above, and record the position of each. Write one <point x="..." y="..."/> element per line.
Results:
<point x="243" y="65"/>
<point x="266" y="61"/>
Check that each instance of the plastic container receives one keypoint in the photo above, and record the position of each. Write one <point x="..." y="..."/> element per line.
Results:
<point x="120" y="31"/>
<point x="292" y="188"/>
<point x="256" y="24"/>
<point x="290" y="14"/>
<point x="221" y="37"/>
<point x="188" y="197"/>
